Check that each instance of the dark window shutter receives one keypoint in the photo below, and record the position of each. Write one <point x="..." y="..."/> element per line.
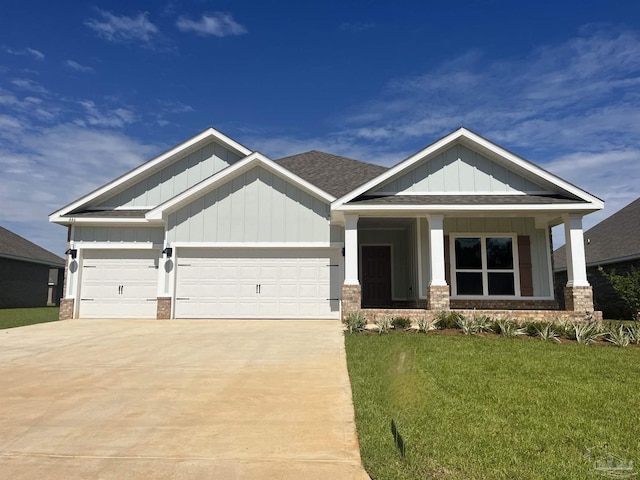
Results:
<point x="526" y="274"/>
<point x="447" y="261"/>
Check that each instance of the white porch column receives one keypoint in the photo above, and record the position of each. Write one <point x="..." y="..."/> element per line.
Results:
<point x="576" y="262"/>
<point x="351" y="249"/>
<point x="436" y="247"/>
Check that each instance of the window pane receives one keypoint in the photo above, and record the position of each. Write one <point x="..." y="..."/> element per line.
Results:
<point x="468" y="251"/>
<point x="499" y="253"/>
<point x="469" y="283"/>
<point x="501" y="284"/>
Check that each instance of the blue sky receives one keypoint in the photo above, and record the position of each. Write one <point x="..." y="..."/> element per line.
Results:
<point x="91" y="90"/>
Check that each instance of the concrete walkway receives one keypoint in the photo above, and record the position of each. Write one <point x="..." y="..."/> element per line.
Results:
<point x="176" y="399"/>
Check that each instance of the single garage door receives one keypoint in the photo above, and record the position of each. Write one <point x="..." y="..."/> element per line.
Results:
<point x="257" y="283"/>
<point x="119" y="284"/>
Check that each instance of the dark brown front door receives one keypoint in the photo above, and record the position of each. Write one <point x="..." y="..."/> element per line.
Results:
<point x="376" y="276"/>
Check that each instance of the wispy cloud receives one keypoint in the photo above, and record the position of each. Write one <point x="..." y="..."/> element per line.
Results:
<point x="78" y="67"/>
<point x="124" y="29"/>
<point x="29" y="85"/>
<point x="215" y="24"/>
<point x="37" y="54"/>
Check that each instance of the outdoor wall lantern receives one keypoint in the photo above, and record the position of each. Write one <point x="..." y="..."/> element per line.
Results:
<point x="168" y="251"/>
<point x="73" y="252"/>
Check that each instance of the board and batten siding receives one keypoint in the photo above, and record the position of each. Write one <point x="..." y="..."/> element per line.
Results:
<point x="175" y="178"/>
<point x="518" y="226"/>
<point x="459" y="170"/>
<point x="256" y="206"/>
<point x="88" y="234"/>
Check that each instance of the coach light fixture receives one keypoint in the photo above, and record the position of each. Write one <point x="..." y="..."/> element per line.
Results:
<point x="73" y="252"/>
<point x="168" y="251"/>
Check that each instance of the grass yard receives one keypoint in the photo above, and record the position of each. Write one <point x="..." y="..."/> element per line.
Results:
<point x="19" y="317"/>
<point x="471" y="407"/>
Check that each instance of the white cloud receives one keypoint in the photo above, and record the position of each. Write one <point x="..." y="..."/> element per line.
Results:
<point x="115" y="117"/>
<point x="122" y="28"/>
<point x="37" y="54"/>
<point x="216" y="24"/>
<point x="78" y="67"/>
<point x="29" y="85"/>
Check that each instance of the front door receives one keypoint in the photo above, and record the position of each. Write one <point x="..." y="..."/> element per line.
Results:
<point x="376" y="276"/>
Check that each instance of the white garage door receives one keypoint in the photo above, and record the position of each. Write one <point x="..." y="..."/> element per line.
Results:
<point x="119" y="284"/>
<point x="257" y="283"/>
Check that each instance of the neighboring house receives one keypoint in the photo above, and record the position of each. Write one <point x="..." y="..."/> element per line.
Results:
<point x="614" y="245"/>
<point x="30" y="276"/>
<point x="211" y="229"/>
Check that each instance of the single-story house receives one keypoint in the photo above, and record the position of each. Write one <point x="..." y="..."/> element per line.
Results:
<point x="614" y="245"/>
<point x="30" y="276"/>
<point x="212" y="229"/>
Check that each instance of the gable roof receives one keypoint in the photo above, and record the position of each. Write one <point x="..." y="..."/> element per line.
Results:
<point x="485" y="147"/>
<point x="208" y="135"/>
<point x="332" y="173"/>
<point x="616" y="238"/>
<point x="220" y="178"/>
<point x="16" y="247"/>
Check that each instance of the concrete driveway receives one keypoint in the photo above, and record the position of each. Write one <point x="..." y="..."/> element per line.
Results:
<point x="176" y="399"/>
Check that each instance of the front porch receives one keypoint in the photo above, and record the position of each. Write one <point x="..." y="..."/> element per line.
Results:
<point x="497" y="266"/>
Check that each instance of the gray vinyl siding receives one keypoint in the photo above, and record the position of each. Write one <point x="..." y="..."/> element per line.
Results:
<point x="519" y="226"/>
<point x="256" y="206"/>
<point x="459" y="170"/>
<point x="175" y="178"/>
<point x="118" y="234"/>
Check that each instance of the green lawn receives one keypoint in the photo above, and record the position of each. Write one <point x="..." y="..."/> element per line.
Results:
<point x="19" y="317"/>
<point x="470" y="407"/>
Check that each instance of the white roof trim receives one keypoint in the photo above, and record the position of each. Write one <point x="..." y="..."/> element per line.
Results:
<point x="253" y="160"/>
<point x="210" y="133"/>
<point x="472" y="139"/>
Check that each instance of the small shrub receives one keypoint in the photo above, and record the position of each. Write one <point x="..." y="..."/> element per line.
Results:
<point x="482" y="323"/>
<point x="447" y="319"/>
<point x="401" y="323"/>
<point x="425" y="325"/>
<point x="384" y="325"/>
<point x="634" y="332"/>
<point x="548" y="333"/>
<point x="618" y="336"/>
<point x="586" y="333"/>
<point x="533" y="328"/>
<point x="465" y="324"/>
<point x="355" y="322"/>
<point x="509" y="328"/>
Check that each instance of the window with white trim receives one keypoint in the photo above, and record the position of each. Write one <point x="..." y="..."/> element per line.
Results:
<point x="484" y="265"/>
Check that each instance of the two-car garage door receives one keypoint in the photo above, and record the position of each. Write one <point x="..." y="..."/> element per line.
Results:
<point x="257" y="283"/>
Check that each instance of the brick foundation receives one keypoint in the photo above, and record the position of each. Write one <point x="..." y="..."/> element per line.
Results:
<point x="519" y="304"/>
<point x="351" y="299"/>
<point x="163" y="311"/>
<point x="438" y="297"/>
<point x="578" y="299"/>
<point x="66" y="309"/>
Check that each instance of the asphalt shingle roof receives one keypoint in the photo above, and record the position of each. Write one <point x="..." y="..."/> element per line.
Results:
<point x="614" y="238"/>
<point x="332" y="173"/>
<point x="14" y="246"/>
<point x="109" y="213"/>
<point x="464" y="200"/>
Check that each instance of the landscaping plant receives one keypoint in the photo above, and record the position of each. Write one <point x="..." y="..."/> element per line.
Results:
<point x="384" y="325"/>
<point x="425" y="325"/>
<point x="628" y="287"/>
<point x="508" y="328"/>
<point x="619" y="336"/>
<point x="355" y="322"/>
<point x="548" y="333"/>
<point x="401" y="323"/>
<point x="586" y="333"/>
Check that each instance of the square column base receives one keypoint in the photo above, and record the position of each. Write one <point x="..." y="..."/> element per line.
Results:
<point x="438" y="297"/>
<point x="578" y="299"/>
<point x="66" y="308"/>
<point x="163" y="311"/>
<point x="351" y="299"/>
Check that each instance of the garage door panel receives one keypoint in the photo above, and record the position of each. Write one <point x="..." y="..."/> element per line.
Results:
<point x="269" y="283"/>
<point x="119" y="284"/>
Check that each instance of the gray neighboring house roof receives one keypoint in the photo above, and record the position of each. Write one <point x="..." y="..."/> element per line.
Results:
<point x="615" y="239"/>
<point x="15" y="247"/>
<point x="332" y="173"/>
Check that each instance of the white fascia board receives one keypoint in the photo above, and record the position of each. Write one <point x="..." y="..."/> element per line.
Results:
<point x="588" y="208"/>
<point x="108" y="221"/>
<point x="207" y="134"/>
<point x="253" y="160"/>
<point x="115" y="245"/>
<point x="471" y="139"/>
<point x="251" y="245"/>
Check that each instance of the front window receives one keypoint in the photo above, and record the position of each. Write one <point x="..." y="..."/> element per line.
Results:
<point x="484" y="266"/>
